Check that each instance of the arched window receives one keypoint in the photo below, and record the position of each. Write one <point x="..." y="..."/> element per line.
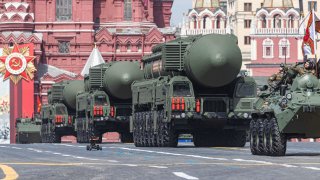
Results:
<point x="117" y="47"/>
<point x="205" y="22"/>
<point x="276" y="21"/>
<point x="139" y="47"/>
<point x="291" y="22"/>
<point x="63" y="10"/>
<point x="284" y="48"/>
<point x="263" y="21"/>
<point x="268" y="48"/>
<point x="194" y="20"/>
<point x="127" y="10"/>
<point x="218" y="22"/>
<point x="129" y="47"/>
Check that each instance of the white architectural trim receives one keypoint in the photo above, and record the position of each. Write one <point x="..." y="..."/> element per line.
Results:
<point x="253" y="49"/>
<point x="292" y="11"/>
<point x="268" y="43"/>
<point x="284" y="43"/>
<point x="277" y="11"/>
<point x="205" y="12"/>
<point x="262" y="12"/>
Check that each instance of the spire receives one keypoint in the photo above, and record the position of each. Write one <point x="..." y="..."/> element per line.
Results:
<point x="94" y="59"/>
<point x="278" y="4"/>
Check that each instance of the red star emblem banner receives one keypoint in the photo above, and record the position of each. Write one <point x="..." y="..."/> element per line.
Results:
<point x="17" y="63"/>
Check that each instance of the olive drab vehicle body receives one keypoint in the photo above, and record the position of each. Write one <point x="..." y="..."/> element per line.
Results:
<point x="58" y="116"/>
<point x="28" y="130"/>
<point x="91" y="107"/>
<point x="105" y="105"/>
<point x="289" y="110"/>
<point x="192" y="85"/>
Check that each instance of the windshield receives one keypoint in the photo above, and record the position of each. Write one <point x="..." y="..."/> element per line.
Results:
<point x="181" y="89"/>
<point x="61" y="110"/>
<point x="246" y="90"/>
<point x="100" y="100"/>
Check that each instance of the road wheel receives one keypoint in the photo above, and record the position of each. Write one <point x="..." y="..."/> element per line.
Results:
<point x="253" y="137"/>
<point x="278" y="141"/>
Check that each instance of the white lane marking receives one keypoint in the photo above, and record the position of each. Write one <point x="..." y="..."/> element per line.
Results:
<point x="48" y="151"/>
<point x="65" y="155"/>
<point x="174" y="154"/>
<point x="184" y="175"/>
<point x="78" y="157"/>
<point x="252" y="161"/>
<point x="130" y="165"/>
<point x="288" y="165"/>
<point x="35" y="150"/>
<point x="159" y="167"/>
<point x="3" y="146"/>
<point x="16" y="148"/>
<point x="113" y="161"/>
<point x="313" y="168"/>
<point x="82" y="146"/>
<point x="57" y="153"/>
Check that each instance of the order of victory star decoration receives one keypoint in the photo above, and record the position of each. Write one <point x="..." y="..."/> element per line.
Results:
<point x="16" y="63"/>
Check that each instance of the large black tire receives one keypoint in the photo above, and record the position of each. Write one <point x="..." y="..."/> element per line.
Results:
<point x="126" y="137"/>
<point x="159" y="137"/>
<point x="253" y="137"/>
<point x="278" y="146"/>
<point x="201" y="139"/>
<point x="261" y="150"/>
<point x="235" y="138"/>
<point x="136" y="130"/>
<point x="170" y="138"/>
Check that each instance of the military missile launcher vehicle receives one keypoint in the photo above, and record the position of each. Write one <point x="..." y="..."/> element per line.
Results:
<point x="58" y="116"/>
<point x="105" y="105"/>
<point x="290" y="109"/>
<point x="192" y="85"/>
<point x="28" y="130"/>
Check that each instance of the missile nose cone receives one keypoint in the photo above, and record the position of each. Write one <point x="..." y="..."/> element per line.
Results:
<point x="219" y="60"/>
<point x="126" y="80"/>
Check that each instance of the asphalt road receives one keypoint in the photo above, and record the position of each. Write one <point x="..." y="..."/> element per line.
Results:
<point x="124" y="161"/>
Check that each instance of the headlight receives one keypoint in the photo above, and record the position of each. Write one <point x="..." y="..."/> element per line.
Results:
<point x="246" y="115"/>
<point x="289" y="96"/>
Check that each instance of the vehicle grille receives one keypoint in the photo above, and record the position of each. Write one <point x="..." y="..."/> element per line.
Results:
<point x="214" y="106"/>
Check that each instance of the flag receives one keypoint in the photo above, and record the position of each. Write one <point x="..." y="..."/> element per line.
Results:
<point x="309" y="37"/>
<point x="39" y="104"/>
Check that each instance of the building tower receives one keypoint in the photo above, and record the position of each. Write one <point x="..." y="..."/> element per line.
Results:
<point x="206" y="17"/>
<point x="275" y="37"/>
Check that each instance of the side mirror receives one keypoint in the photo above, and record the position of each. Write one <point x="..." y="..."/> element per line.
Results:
<point x="283" y="89"/>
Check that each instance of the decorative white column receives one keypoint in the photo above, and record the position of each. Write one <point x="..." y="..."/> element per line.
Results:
<point x="253" y="49"/>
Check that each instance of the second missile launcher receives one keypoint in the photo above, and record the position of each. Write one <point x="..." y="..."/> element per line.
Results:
<point x="59" y="114"/>
<point x="105" y="105"/>
<point x="192" y="85"/>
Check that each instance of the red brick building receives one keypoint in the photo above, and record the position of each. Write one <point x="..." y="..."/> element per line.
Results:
<point x="64" y="31"/>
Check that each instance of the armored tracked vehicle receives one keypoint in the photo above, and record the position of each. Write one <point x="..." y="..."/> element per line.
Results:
<point x="28" y="130"/>
<point x="192" y="85"/>
<point x="105" y="105"/>
<point x="291" y="109"/>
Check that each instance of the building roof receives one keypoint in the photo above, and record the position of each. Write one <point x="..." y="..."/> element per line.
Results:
<point x="52" y="71"/>
<point x="278" y="4"/>
<point x="206" y="4"/>
<point x="94" y="59"/>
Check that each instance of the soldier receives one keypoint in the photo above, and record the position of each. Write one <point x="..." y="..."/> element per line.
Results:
<point x="308" y="67"/>
<point x="276" y="78"/>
